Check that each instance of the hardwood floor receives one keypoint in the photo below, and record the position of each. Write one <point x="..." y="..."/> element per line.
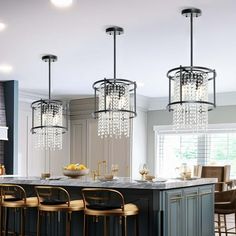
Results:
<point x="230" y="224"/>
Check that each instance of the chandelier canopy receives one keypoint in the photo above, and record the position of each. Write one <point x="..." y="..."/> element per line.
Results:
<point x="191" y="89"/>
<point x="47" y="118"/>
<point x="115" y="100"/>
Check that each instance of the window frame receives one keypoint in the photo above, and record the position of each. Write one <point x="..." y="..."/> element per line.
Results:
<point x="168" y="129"/>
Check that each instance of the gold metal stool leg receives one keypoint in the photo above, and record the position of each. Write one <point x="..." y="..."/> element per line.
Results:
<point x="5" y="218"/>
<point x="235" y="222"/>
<point x="68" y="223"/>
<point x="136" y="225"/>
<point x="84" y="228"/>
<point x="124" y="226"/>
<point x="105" y="226"/>
<point x="225" y="223"/>
<point x="6" y="221"/>
<point x="38" y="222"/>
<point x="0" y="220"/>
<point x="23" y="218"/>
<point x="219" y="224"/>
<point x="15" y="212"/>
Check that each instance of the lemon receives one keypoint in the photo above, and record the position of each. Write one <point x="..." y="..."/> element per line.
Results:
<point x="82" y="167"/>
<point x="71" y="166"/>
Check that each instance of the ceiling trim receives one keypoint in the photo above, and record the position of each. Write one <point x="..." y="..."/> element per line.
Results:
<point x="29" y="97"/>
<point x="222" y="99"/>
<point x="143" y="103"/>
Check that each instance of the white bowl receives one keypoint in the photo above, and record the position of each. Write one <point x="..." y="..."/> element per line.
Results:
<point x="75" y="173"/>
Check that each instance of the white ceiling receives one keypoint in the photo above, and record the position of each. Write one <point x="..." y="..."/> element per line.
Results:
<point x="156" y="39"/>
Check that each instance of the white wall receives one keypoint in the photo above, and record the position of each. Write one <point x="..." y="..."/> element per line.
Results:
<point x="139" y="149"/>
<point x="31" y="161"/>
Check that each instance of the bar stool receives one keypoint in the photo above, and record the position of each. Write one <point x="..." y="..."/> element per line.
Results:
<point x="225" y="204"/>
<point x="1" y="214"/>
<point x="56" y="199"/>
<point x="108" y="202"/>
<point x="14" y="197"/>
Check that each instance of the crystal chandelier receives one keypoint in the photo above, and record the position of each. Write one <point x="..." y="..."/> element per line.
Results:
<point x="115" y="100"/>
<point x="47" y="118"/>
<point x="189" y="89"/>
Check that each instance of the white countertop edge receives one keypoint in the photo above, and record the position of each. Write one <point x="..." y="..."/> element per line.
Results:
<point x="120" y="183"/>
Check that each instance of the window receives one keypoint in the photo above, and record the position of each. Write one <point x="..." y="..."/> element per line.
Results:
<point x="215" y="147"/>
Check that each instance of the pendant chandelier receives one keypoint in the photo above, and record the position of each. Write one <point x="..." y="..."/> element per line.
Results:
<point x="115" y="100"/>
<point x="47" y="118"/>
<point x="189" y="89"/>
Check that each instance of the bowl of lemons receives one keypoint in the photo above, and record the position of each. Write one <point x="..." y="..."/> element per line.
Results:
<point x="75" y="170"/>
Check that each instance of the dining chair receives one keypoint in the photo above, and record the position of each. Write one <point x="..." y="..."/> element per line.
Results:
<point x="222" y="173"/>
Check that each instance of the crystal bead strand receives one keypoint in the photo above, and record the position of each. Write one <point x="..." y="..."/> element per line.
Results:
<point x="115" y="122"/>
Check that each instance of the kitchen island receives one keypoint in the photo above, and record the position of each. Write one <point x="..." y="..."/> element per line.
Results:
<point x="171" y="208"/>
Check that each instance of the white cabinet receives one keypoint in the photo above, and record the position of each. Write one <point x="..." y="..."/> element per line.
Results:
<point x="78" y="141"/>
<point x="97" y="148"/>
<point x="30" y="160"/>
<point x="120" y="153"/>
<point x="87" y="147"/>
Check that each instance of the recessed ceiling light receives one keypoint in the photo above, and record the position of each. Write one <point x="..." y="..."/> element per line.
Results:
<point x="62" y="3"/>
<point x="2" y="26"/>
<point x="5" y="68"/>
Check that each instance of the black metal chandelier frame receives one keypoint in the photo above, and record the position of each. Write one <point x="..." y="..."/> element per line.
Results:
<point x="108" y="84"/>
<point x="49" y="102"/>
<point x="191" y="70"/>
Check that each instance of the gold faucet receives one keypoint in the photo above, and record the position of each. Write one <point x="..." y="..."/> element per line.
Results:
<point x="97" y="173"/>
<point x="94" y="174"/>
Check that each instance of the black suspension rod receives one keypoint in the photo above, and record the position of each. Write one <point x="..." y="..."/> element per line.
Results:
<point x="49" y="78"/>
<point x="191" y="40"/>
<point x="191" y="12"/>
<point x="49" y="58"/>
<point x="114" y="53"/>
<point x="115" y="30"/>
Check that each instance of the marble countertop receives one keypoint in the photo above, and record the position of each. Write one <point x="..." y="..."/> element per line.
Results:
<point x="122" y="182"/>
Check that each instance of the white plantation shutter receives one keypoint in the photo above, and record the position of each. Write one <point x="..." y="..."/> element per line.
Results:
<point x="221" y="149"/>
<point x="216" y="146"/>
